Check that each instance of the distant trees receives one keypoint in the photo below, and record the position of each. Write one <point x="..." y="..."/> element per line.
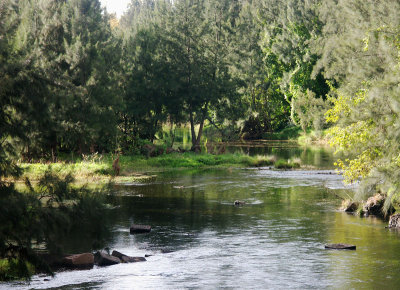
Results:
<point x="71" y="82"/>
<point x="179" y="61"/>
<point x="91" y="87"/>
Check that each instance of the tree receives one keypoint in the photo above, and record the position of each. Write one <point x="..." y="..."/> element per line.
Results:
<point x="290" y="30"/>
<point x="90" y="60"/>
<point x="364" y="62"/>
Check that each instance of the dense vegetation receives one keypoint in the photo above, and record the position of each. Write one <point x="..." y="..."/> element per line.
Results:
<point x="74" y="79"/>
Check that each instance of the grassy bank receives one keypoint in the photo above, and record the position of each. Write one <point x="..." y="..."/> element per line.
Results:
<point x="295" y="133"/>
<point x="139" y="168"/>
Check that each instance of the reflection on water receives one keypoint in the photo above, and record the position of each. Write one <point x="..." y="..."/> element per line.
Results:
<point x="315" y="156"/>
<point x="276" y="240"/>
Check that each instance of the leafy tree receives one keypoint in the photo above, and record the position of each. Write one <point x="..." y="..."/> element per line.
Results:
<point x="90" y="60"/>
<point x="291" y="29"/>
<point x="364" y="62"/>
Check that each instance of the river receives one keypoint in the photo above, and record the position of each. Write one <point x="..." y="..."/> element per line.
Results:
<point x="200" y="240"/>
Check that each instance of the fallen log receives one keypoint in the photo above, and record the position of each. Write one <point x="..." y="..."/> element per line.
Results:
<point x="340" y="247"/>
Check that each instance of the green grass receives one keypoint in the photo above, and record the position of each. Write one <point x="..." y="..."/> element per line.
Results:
<point x="136" y="168"/>
<point x="192" y="160"/>
<point x="283" y="164"/>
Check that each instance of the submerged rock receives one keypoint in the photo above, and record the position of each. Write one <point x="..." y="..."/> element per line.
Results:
<point x="394" y="221"/>
<point x="103" y="259"/>
<point x="140" y="229"/>
<point x="340" y="247"/>
<point x="127" y="259"/>
<point x="85" y="260"/>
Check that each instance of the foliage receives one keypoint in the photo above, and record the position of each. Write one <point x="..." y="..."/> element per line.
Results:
<point x="291" y="29"/>
<point x="364" y="62"/>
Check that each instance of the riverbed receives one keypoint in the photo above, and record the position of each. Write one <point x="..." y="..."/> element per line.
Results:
<point x="199" y="239"/>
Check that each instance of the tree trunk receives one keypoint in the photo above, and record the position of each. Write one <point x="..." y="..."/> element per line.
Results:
<point x="196" y="140"/>
<point x="192" y="129"/>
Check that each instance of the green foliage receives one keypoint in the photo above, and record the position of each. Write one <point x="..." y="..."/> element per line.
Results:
<point x="44" y="215"/>
<point x="284" y="164"/>
<point x="289" y="133"/>
<point x="14" y="269"/>
<point x="292" y="27"/>
<point x="364" y="62"/>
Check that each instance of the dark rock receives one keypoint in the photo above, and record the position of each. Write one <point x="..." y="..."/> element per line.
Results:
<point x="239" y="202"/>
<point x="140" y="229"/>
<point x="374" y="206"/>
<point x="82" y="261"/>
<point x="349" y="206"/>
<point x="148" y="255"/>
<point x="127" y="259"/>
<point x="394" y="221"/>
<point x="340" y="247"/>
<point x="103" y="259"/>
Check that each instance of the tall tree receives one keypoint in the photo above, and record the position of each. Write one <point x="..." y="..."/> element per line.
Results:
<point x="290" y="29"/>
<point x="90" y="59"/>
<point x="360" y="51"/>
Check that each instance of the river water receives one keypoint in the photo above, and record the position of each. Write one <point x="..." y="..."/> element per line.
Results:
<point x="200" y="240"/>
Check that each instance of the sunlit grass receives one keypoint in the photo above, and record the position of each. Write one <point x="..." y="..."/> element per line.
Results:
<point x="135" y="167"/>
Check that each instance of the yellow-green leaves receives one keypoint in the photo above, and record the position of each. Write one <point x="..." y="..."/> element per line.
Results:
<point x="353" y="137"/>
<point x="343" y="105"/>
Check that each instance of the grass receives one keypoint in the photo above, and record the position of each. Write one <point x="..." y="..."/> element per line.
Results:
<point x="283" y="164"/>
<point x="140" y="169"/>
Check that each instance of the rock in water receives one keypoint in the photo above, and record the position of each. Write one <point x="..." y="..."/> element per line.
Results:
<point x="239" y="202"/>
<point x="140" y="229"/>
<point x="394" y="221"/>
<point x="85" y="260"/>
<point x="349" y="206"/>
<point x="127" y="259"/>
<point x="374" y="206"/>
<point x="340" y="247"/>
<point x="102" y="259"/>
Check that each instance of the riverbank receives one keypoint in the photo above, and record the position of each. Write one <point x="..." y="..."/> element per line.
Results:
<point x="296" y="134"/>
<point x="136" y="168"/>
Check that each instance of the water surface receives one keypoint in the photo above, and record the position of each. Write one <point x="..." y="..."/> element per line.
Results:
<point x="201" y="240"/>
